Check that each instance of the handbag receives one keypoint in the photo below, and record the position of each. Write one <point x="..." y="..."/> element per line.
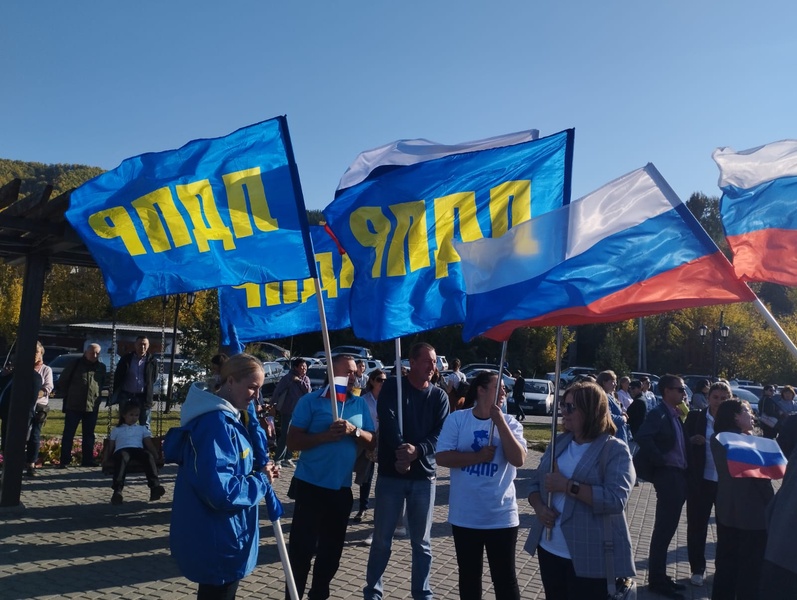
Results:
<point x="621" y="588"/>
<point x="41" y="413"/>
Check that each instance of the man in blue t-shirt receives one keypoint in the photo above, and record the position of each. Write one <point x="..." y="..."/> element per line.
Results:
<point x="322" y="482"/>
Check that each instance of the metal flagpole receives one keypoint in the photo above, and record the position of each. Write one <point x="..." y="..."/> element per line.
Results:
<point x="498" y="388"/>
<point x="784" y="337"/>
<point x="555" y="417"/>
<point x="327" y="348"/>
<point x="399" y="403"/>
<point x="286" y="563"/>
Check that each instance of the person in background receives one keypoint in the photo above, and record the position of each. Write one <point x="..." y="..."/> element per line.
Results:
<point x="662" y="444"/>
<point x="376" y="379"/>
<point x="40" y="410"/>
<point x="740" y="513"/>
<point x="361" y="379"/>
<point x="81" y="383"/>
<point x="608" y="381"/>
<point x="779" y="568"/>
<point x="623" y="395"/>
<point x="323" y="497"/>
<point x="221" y="480"/>
<point x="293" y="385"/>
<point x="129" y="440"/>
<point x="483" y="510"/>
<point x="769" y="412"/>
<point x="638" y="408"/>
<point x="786" y="403"/>
<point x="455" y="378"/>
<point x="701" y="478"/>
<point x="216" y="363"/>
<point x="650" y="397"/>
<point x="135" y="378"/>
<point x="700" y="397"/>
<point x="592" y="482"/>
<point x="518" y="396"/>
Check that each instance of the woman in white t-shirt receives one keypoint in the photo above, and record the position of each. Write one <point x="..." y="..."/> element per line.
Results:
<point x="131" y="440"/>
<point x="482" y="507"/>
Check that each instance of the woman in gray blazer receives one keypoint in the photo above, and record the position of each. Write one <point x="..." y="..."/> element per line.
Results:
<point x="593" y="480"/>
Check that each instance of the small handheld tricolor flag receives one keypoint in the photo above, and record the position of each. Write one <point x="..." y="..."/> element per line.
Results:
<point x="753" y="456"/>
<point x="341" y="388"/>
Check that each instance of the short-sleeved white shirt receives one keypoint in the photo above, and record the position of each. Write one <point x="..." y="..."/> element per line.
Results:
<point x="482" y="496"/>
<point x="129" y="436"/>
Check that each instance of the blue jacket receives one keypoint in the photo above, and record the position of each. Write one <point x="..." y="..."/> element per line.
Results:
<point x="214" y="529"/>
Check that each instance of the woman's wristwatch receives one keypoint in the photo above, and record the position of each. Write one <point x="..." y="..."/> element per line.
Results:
<point x="574" y="486"/>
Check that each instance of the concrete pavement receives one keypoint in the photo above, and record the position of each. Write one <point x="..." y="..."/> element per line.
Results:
<point x="68" y="541"/>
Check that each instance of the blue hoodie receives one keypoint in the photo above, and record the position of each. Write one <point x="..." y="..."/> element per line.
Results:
<point x="214" y="530"/>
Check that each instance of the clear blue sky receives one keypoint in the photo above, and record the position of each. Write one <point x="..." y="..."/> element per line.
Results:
<point x="667" y="82"/>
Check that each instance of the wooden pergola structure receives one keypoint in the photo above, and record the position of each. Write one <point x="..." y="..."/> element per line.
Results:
<point x="33" y="232"/>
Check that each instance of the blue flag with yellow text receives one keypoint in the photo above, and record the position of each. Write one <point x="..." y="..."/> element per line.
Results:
<point x="252" y="312"/>
<point x="399" y="207"/>
<point x="215" y="212"/>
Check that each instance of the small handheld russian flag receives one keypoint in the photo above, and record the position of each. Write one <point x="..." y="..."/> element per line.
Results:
<point x="753" y="456"/>
<point x="341" y="388"/>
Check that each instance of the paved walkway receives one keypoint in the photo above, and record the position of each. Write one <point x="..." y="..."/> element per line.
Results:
<point x="69" y="542"/>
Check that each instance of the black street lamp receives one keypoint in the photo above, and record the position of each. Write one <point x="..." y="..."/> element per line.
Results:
<point x="718" y="338"/>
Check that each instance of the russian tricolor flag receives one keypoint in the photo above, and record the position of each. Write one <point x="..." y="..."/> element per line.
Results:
<point x="759" y="210"/>
<point x="341" y="388"/>
<point x="627" y="250"/>
<point x="753" y="456"/>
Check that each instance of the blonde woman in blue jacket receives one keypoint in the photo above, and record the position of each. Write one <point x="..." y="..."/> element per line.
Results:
<point x="593" y="480"/>
<point x="220" y="481"/>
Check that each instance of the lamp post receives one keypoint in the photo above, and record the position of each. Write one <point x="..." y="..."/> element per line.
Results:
<point x="189" y="299"/>
<point x="718" y="338"/>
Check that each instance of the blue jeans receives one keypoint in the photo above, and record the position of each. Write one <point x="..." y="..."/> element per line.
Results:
<point x="390" y="495"/>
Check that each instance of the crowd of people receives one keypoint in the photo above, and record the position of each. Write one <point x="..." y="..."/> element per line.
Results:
<point x="614" y="434"/>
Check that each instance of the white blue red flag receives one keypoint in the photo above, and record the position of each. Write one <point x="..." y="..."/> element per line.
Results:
<point x="753" y="456"/>
<point x="759" y="210"/>
<point x="399" y="207"/>
<point x="629" y="249"/>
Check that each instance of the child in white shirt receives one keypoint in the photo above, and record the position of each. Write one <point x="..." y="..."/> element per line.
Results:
<point x="131" y="440"/>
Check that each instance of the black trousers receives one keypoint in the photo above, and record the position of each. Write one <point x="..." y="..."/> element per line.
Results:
<point x="320" y="518"/>
<point x="121" y="460"/>
<point x="217" y="592"/>
<point x="670" y="486"/>
<point x="700" y="500"/>
<point x="777" y="583"/>
<point x="738" y="562"/>
<point x="470" y="545"/>
<point x="560" y="582"/>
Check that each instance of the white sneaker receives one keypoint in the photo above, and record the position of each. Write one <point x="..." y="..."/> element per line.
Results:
<point x="369" y="540"/>
<point x="288" y="463"/>
<point x="400" y="532"/>
<point x="697" y="579"/>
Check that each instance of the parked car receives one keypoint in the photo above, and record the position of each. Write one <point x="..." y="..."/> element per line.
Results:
<point x="744" y="394"/>
<point x="509" y="382"/>
<point x="654" y="379"/>
<point x="538" y="397"/>
<point x="442" y="363"/>
<point x="53" y="352"/>
<point x="273" y="373"/>
<point x="271" y="349"/>
<point x="691" y="380"/>
<point x="317" y="375"/>
<point x="355" y="351"/>
<point x="58" y="365"/>
<point x="569" y="375"/>
<point x="484" y="367"/>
